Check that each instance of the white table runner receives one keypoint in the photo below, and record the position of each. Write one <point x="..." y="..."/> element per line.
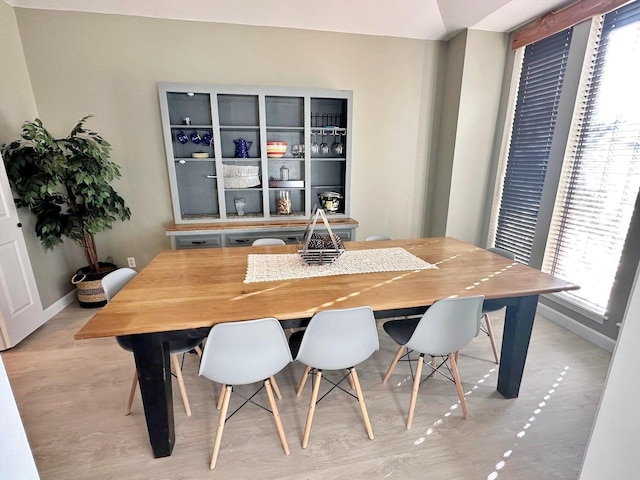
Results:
<point x="272" y="267"/>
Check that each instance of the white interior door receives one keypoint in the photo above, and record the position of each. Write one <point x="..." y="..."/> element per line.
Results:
<point x="20" y="308"/>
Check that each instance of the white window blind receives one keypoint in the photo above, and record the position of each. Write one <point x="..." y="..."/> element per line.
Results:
<point x="601" y="170"/>
<point x="542" y="75"/>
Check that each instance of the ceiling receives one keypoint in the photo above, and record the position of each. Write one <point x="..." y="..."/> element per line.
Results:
<point x="420" y="19"/>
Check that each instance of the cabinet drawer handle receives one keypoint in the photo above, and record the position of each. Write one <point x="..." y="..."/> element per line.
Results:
<point x="210" y="176"/>
<point x="292" y="238"/>
<point x="242" y="240"/>
<point x="198" y="242"/>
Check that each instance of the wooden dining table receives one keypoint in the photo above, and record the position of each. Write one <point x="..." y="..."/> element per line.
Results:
<point x="183" y="293"/>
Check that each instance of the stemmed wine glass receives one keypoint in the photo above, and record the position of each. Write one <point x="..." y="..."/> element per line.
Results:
<point x="324" y="148"/>
<point x="314" y="144"/>
<point x="337" y="146"/>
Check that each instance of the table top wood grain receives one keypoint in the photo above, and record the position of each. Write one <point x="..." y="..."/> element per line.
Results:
<point x="186" y="289"/>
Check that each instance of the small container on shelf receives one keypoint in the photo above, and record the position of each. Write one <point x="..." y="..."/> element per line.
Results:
<point x="330" y="201"/>
<point x="239" y="203"/>
<point x="284" y="202"/>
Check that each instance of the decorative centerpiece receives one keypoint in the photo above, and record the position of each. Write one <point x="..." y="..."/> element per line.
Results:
<point x="317" y="249"/>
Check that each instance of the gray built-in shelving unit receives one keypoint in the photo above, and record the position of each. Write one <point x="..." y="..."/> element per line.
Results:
<point x="257" y="115"/>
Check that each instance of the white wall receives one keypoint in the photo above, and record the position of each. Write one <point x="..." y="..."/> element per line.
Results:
<point x="109" y="66"/>
<point x="484" y="61"/>
<point x="16" y="459"/>
<point x="612" y="451"/>
<point x="17" y="104"/>
<point x="472" y="87"/>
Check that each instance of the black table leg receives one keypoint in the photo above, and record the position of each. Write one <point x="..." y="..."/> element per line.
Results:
<point x="151" y="352"/>
<point x="518" y="325"/>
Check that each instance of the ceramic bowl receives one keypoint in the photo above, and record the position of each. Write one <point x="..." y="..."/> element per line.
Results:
<point x="276" y="149"/>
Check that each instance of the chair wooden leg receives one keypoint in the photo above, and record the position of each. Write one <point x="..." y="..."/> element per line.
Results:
<point x="414" y="393"/>
<point x="132" y="392"/>
<point x="276" y="389"/>
<point x="276" y="416"/>
<point x="487" y="322"/>
<point x="198" y="350"/>
<point x="221" y="421"/>
<point x="456" y="377"/>
<point x="303" y="380"/>
<point x="394" y="362"/>
<point x="221" y="396"/>
<point x="363" y="407"/>
<point x="351" y="384"/>
<point x="312" y="408"/>
<point x="183" y="390"/>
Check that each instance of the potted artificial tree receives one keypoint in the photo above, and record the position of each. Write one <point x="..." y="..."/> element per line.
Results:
<point x="65" y="183"/>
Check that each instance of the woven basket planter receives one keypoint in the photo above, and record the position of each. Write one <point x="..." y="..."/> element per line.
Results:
<point x="89" y="285"/>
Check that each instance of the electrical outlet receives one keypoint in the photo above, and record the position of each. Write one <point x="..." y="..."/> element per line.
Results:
<point x="132" y="262"/>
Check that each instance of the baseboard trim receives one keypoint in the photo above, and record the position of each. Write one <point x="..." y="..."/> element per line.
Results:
<point x="576" y="327"/>
<point x="60" y="305"/>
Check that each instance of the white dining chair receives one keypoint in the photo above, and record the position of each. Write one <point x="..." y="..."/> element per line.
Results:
<point x="375" y="238"/>
<point x="446" y="327"/>
<point x="267" y="241"/>
<point x="335" y="340"/>
<point x="112" y="283"/>
<point x="241" y="353"/>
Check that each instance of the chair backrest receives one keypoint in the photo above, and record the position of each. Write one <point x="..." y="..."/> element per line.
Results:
<point x="113" y="282"/>
<point x="336" y="339"/>
<point x="238" y="353"/>
<point x="502" y="252"/>
<point x="447" y="326"/>
<point x="373" y="238"/>
<point x="267" y="241"/>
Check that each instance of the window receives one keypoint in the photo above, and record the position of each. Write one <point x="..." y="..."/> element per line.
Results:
<point x="601" y="171"/>
<point x="575" y="210"/>
<point x="541" y="79"/>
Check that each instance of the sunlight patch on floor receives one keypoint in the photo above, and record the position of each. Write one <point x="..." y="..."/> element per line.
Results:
<point x="431" y="430"/>
<point x="501" y="464"/>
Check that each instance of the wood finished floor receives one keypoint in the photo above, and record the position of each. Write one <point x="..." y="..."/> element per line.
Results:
<point x="71" y="396"/>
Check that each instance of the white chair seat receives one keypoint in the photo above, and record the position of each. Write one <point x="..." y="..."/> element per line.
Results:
<point x="240" y="353"/>
<point x="446" y="327"/>
<point x="335" y="340"/>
